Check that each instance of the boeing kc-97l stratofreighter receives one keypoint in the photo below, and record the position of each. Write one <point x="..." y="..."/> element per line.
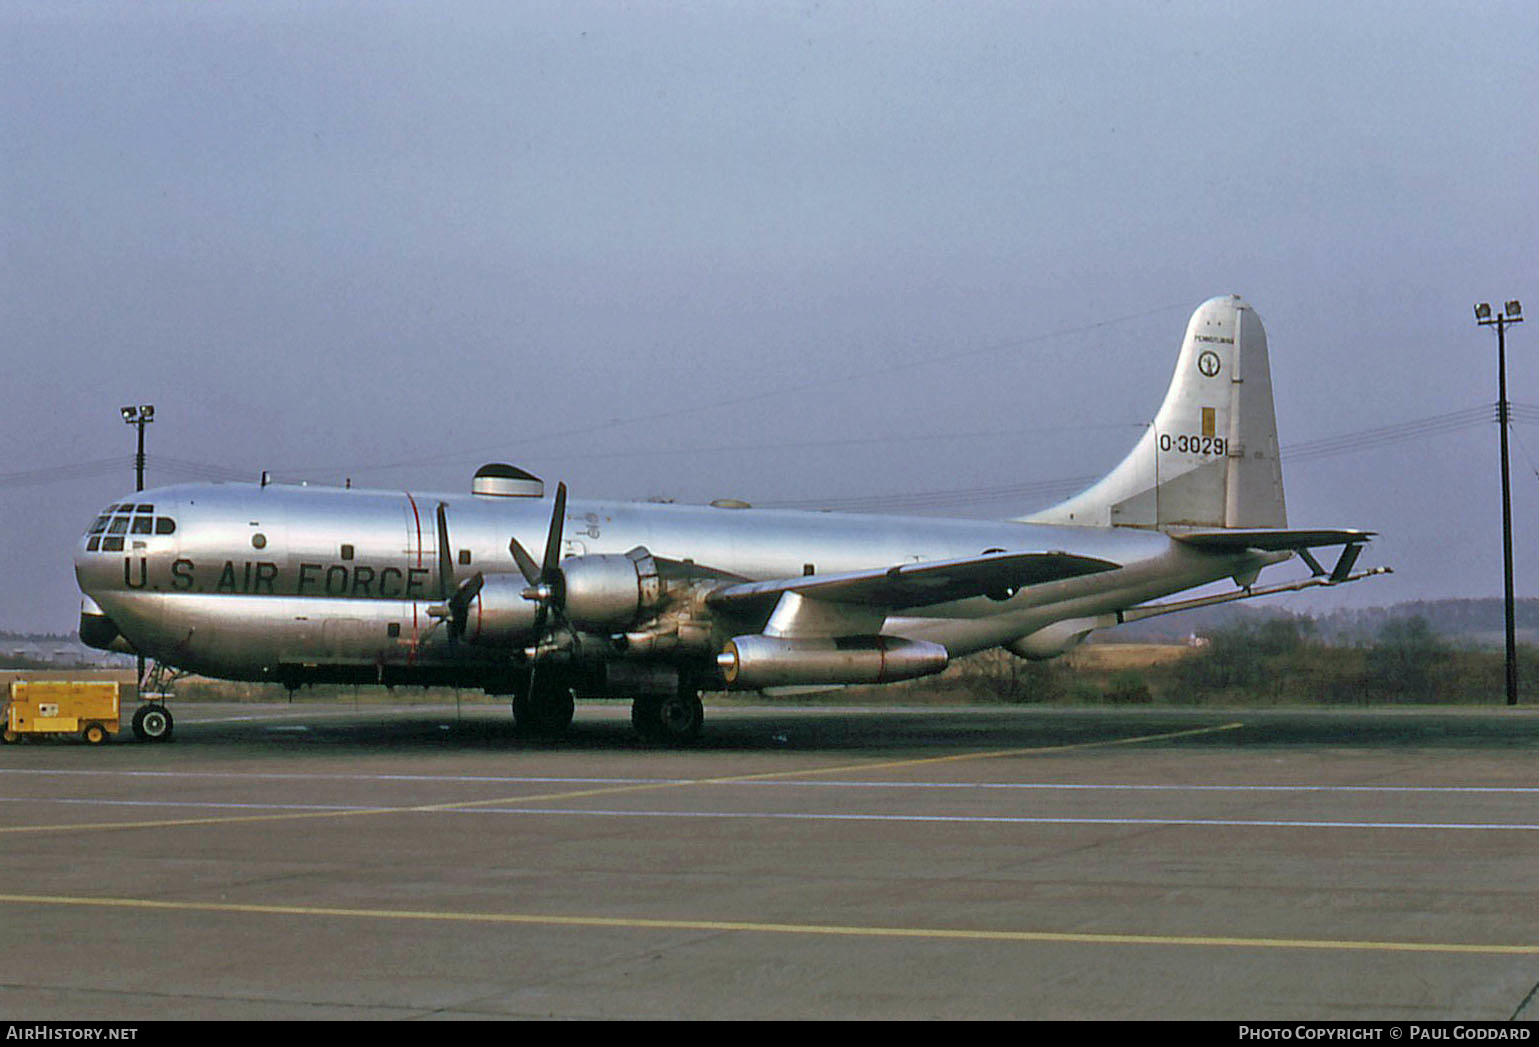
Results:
<point x="659" y="602"/>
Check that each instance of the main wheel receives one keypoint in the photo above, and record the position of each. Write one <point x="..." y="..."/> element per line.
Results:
<point x="644" y="715"/>
<point x="547" y="710"/>
<point x="671" y="718"/>
<point x="153" y="723"/>
<point x="94" y="734"/>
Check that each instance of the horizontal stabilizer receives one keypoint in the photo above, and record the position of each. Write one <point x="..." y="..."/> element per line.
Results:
<point x="1268" y="539"/>
<point x="920" y="584"/>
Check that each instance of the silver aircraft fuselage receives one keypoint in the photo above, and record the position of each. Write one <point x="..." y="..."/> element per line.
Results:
<point x="298" y="584"/>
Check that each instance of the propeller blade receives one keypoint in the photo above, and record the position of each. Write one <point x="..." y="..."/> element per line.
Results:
<point x="526" y="563"/>
<point x="459" y="604"/>
<point x="445" y="557"/>
<point x="553" y="539"/>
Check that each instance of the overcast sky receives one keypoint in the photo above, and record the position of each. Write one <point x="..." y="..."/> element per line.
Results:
<point x="810" y="253"/>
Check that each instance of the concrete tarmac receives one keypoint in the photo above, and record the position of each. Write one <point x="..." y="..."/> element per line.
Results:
<point x="330" y="861"/>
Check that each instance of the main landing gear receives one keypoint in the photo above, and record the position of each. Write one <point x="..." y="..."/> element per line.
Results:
<point x="673" y="719"/>
<point x="545" y="709"/>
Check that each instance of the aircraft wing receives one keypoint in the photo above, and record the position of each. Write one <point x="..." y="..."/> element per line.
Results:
<point x="918" y="584"/>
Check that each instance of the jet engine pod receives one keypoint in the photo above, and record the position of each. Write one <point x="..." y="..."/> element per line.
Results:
<point x="1054" y="640"/>
<point x="500" y="614"/>
<point x="605" y="593"/>
<point x="776" y="661"/>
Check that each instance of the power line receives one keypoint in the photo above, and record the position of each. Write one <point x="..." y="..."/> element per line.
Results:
<point x="862" y="375"/>
<point x="1346" y="443"/>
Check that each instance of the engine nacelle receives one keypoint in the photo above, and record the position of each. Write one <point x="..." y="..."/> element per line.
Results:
<point x="500" y="615"/>
<point x="777" y="661"/>
<point x="608" y="593"/>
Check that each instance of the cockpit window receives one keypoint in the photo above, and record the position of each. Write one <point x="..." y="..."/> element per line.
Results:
<point x="125" y="518"/>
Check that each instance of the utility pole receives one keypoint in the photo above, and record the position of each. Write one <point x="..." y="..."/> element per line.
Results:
<point x="1512" y="313"/>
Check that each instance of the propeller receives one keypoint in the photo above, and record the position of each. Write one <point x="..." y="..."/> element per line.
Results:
<point x="455" y="608"/>
<point x="544" y="578"/>
<point x="545" y="583"/>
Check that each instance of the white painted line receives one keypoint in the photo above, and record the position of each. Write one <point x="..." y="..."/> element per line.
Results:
<point x="979" y="819"/>
<point x="1009" y="819"/>
<point x="788" y="783"/>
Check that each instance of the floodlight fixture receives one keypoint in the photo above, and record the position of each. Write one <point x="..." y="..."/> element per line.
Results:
<point x="1514" y="310"/>
<point x="139" y="417"/>
<point x="1482" y="313"/>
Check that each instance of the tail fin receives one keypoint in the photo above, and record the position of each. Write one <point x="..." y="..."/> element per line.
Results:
<point x="1210" y="459"/>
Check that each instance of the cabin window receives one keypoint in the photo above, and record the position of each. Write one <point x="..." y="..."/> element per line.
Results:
<point x="143" y="525"/>
<point x="99" y="525"/>
<point x="165" y="525"/>
<point x="464" y="556"/>
<point x="113" y="544"/>
<point x="259" y="541"/>
<point x="347" y="550"/>
<point x="146" y="508"/>
<point x="119" y="525"/>
<point x="393" y="630"/>
<point x="94" y="544"/>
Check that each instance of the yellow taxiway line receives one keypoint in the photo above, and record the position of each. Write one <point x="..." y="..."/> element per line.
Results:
<point x="752" y="927"/>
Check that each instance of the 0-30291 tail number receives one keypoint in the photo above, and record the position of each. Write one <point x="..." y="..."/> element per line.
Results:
<point x="1199" y="445"/>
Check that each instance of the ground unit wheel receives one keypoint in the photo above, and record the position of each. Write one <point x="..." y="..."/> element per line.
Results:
<point x="94" y="734"/>
<point x="10" y="736"/>
<point x="153" y="723"/>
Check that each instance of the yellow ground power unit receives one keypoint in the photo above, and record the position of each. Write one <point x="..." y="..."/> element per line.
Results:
<point x="88" y="708"/>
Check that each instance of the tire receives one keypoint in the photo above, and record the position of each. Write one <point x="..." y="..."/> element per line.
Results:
<point x="547" y="712"/>
<point x="94" y="734"/>
<point x="153" y="723"/>
<point x="673" y="719"/>
<point x="644" y="716"/>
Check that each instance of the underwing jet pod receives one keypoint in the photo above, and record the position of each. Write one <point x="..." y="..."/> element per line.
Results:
<point x="522" y="593"/>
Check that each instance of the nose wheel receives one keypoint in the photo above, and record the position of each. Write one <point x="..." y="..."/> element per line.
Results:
<point x="153" y="723"/>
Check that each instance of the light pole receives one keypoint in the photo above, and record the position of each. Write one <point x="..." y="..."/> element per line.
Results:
<point x="1512" y="313"/>
<point x="140" y="416"/>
